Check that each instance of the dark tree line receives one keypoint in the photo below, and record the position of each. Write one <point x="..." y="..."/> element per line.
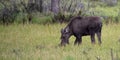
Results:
<point x="8" y="13"/>
<point x="11" y="8"/>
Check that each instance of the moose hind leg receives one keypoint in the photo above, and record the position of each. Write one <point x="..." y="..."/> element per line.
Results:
<point x="99" y="37"/>
<point x="93" y="38"/>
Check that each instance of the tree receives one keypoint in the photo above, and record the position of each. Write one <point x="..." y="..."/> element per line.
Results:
<point x="55" y="6"/>
<point x="38" y="4"/>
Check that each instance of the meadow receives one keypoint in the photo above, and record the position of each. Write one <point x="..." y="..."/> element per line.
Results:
<point x="40" y="42"/>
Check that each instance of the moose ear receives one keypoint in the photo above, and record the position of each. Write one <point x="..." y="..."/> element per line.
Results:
<point x="67" y="30"/>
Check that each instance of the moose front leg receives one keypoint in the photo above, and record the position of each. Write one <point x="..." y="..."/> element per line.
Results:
<point x="99" y="37"/>
<point x="78" y="40"/>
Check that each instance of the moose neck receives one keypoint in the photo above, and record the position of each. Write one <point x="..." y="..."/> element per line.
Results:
<point x="67" y="29"/>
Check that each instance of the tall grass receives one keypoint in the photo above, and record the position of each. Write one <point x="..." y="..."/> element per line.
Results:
<point x="40" y="42"/>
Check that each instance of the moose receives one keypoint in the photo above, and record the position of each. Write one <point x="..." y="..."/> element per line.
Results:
<point x="82" y="26"/>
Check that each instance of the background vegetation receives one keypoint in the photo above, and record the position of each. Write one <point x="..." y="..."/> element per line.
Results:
<point x="50" y="11"/>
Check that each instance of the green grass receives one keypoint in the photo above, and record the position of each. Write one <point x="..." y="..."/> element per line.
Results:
<point x="40" y="42"/>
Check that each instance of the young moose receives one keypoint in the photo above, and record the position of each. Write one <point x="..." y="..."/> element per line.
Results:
<point x="82" y="26"/>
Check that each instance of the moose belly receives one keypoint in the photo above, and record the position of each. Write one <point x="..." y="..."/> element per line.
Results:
<point x="85" y="33"/>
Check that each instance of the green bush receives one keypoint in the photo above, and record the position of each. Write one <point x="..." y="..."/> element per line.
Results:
<point x="110" y="14"/>
<point x="42" y="19"/>
<point x="20" y="17"/>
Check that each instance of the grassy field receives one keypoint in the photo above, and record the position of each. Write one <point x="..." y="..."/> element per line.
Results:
<point x="40" y="42"/>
